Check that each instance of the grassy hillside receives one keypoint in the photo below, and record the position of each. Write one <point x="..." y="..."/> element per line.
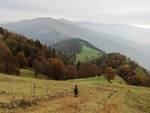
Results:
<point x="78" y="50"/>
<point x="87" y="54"/>
<point x="28" y="95"/>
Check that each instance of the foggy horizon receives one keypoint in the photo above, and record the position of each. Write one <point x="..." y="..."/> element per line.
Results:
<point x="72" y="20"/>
<point x="130" y="12"/>
<point x="133" y="12"/>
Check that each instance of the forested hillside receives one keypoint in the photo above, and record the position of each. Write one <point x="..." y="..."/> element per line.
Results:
<point x="79" y="50"/>
<point x="50" y="31"/>
<point x="18" y="52"/>
<point x="130" y="71"/>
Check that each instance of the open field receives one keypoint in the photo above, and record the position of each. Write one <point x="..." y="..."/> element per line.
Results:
<point x="28" y="95"/>
<point x="88" y="54"/>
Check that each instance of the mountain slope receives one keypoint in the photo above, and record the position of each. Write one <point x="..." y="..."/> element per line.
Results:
<point x="51" y="31"/>
<point x="78" y="49"/>
<point x="136" y="34"/>
<point x="125" y="33"/>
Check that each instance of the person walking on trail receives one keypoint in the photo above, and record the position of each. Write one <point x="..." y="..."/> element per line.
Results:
<point x="76" y="91"/>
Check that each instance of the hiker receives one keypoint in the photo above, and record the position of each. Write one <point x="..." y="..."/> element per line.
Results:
<point x="76" y="91"/>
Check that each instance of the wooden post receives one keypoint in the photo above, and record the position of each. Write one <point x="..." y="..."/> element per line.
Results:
<point x="33" y="90"/>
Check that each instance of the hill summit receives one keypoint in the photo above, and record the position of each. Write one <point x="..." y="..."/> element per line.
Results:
<point x="79" y="50"/>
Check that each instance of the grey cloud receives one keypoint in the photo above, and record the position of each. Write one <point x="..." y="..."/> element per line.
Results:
<point x="124" y="11"/>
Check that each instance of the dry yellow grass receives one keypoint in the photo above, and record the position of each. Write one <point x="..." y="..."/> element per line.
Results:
<point x="28" y="95"/>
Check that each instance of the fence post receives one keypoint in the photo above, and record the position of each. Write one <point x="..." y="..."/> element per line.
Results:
<point x="33" y="89"/>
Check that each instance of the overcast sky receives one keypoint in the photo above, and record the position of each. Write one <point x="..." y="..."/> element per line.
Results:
<point x="108" y="11"/>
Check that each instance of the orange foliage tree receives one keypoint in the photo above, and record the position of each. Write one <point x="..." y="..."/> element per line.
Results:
<point x="70" y="72"/>
<point x="88" y="70"/>
<point x="7" y="60"/>
<point x="110" y="75"/>
<point x="21" y="60"/>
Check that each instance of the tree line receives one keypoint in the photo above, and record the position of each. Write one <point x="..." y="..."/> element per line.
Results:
<point x="16" y="52"/>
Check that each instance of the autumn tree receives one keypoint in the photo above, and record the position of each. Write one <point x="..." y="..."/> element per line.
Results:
<point x="127" y="73"/>
<point x="58" y="69"/>
<point x="114" y="60"/>
<point x="37" y="66"/>
<point x="38" y="44"/>
<point x="1" y="31"/>
<point x="21" y="60"/>
<point x="71" y="72"/>
<point x="7" y="60"/>
<point x="109" y="74"/>
<point x="88" y="70"/>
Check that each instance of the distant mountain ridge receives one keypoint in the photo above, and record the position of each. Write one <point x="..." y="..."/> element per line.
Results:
<point x="50" y="31"/>
<point x="125" y="31"/>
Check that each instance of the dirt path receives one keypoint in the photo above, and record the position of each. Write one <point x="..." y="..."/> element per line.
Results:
<point x="91" y="100"/>
<point x="114" y="104"/>
<point x="111" y="105"/>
